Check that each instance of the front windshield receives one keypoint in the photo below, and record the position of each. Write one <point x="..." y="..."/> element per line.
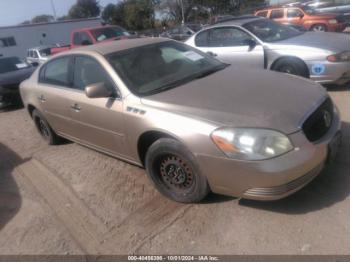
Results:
<point x="270" y="31"/>
<point x="10" y="64"/>
<point x="157" y="67"/>
<point x="109" y="32"/>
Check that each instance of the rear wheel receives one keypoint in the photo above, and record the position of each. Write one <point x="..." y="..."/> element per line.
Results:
<point x="174" y="172"/>
<point x="44" y="128"/>
<point x="319" y="28"/>
<point x="291" y="66"/>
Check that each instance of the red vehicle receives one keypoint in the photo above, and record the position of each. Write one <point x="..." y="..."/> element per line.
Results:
<point x="91" y="36"/>
<point x="306" y="17"/>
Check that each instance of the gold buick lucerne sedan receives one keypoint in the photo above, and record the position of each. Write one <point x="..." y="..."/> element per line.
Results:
<point x="195" y="124"/>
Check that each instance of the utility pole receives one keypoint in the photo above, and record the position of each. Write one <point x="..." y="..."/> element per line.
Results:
<point x="54" y="10"/>
<point x="183" y="13"/>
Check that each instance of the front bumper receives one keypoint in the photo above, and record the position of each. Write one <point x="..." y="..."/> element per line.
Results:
<point x="333" y="73"/>
<point x="270" y="179"/>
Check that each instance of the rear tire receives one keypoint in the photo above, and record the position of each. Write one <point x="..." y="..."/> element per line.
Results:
<point x="174" y="172"/>
<point x="319" y="28"/>
<point x="291" y="66"/>
<point x="44" y="128"/>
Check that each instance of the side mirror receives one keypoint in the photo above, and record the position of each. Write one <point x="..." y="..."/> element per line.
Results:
<point x="98" y="90"/>
<point x="301" y="16"/>
<point x="251" y="43"/>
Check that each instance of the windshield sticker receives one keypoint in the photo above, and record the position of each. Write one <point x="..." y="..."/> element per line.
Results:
<point x="193" y="56"/>
<point x="21" y="65"/>
<point x="318" y="69"/>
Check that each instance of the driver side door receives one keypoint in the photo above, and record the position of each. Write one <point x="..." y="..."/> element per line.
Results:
<point x="231" y="45"/>
<point x="98" y="122"/>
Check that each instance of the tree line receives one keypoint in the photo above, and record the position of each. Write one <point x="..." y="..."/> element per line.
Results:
<point x="145" y="14"/>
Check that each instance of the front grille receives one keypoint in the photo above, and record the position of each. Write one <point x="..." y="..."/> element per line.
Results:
<point x="320" y="121"/>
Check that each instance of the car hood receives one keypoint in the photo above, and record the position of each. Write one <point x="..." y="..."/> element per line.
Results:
<point x="322" y="16"/>
<point x="239" y="98"/>
<point x="325" y="41"/>
<point x="16" y="77"/>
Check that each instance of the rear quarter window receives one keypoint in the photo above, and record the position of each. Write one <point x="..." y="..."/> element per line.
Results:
<point x="202" y="39"/>
<point x="56" y="72"/>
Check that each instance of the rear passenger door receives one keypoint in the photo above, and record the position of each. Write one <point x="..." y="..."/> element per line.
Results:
<point x="53" y="92"/>
<point x="97" y="121"/>
<point x="295" y="16"/>
<point x="231" y="45"/>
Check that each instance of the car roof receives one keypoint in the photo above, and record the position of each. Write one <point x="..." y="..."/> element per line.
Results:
<point x="238" y="20"/>
<point x="119" y="45"/>
<point x="96" y="27"/>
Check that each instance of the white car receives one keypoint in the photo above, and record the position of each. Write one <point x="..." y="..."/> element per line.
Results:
<point x="38" y="55"/>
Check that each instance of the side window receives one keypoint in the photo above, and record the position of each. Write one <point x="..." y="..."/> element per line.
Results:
<point x="228" y="36"/>
<point x="291" y="13"/>
<point x="202" y="39"/>
<point x="262" y="13"/>
<point x="85" y="39"/>
<point x="88" y="71"/>
<point x="76" y="39"/>
<point x="56" y="72"/>
<point x="35" y="54"/>
<point x="277" y="13"/>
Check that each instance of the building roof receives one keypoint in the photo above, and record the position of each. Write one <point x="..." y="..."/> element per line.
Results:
<point x="51" y="23"/>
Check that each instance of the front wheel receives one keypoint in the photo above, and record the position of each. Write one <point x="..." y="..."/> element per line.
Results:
<point x="319" y="28"/>
<point x="174" y="172"/>
<point x="291" y="66"/>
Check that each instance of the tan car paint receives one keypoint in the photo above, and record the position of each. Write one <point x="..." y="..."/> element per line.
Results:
<point x="232" y="97"/>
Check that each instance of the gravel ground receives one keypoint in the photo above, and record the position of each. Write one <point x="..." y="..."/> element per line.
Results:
<point x="68" y="199"/>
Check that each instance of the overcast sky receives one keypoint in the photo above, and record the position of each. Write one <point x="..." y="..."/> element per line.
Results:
<point x="13" y="12"/>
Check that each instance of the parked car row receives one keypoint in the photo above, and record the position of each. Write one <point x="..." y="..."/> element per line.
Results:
<point x="202" y="115"/>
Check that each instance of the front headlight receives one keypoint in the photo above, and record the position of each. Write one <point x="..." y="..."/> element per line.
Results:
<point x="251" y="143"/>
<point x="332" y="21"/>
<point x="341" y="57"/>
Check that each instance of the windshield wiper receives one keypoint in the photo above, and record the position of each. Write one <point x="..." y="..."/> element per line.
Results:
<point x="188" y="79"/>
<point x="211" y="71"/>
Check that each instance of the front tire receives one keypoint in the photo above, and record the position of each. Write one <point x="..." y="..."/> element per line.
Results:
<point x="291" y="66"/>
<point x="174" y="172"/>
<point x="44" y="128"/>
<point x="319" y="28"/>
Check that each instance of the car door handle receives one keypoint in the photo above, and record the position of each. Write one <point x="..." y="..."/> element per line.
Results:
<point x="41" y="98"/>
<point x="76" y="107"/>
<point x="212" y="54"/>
